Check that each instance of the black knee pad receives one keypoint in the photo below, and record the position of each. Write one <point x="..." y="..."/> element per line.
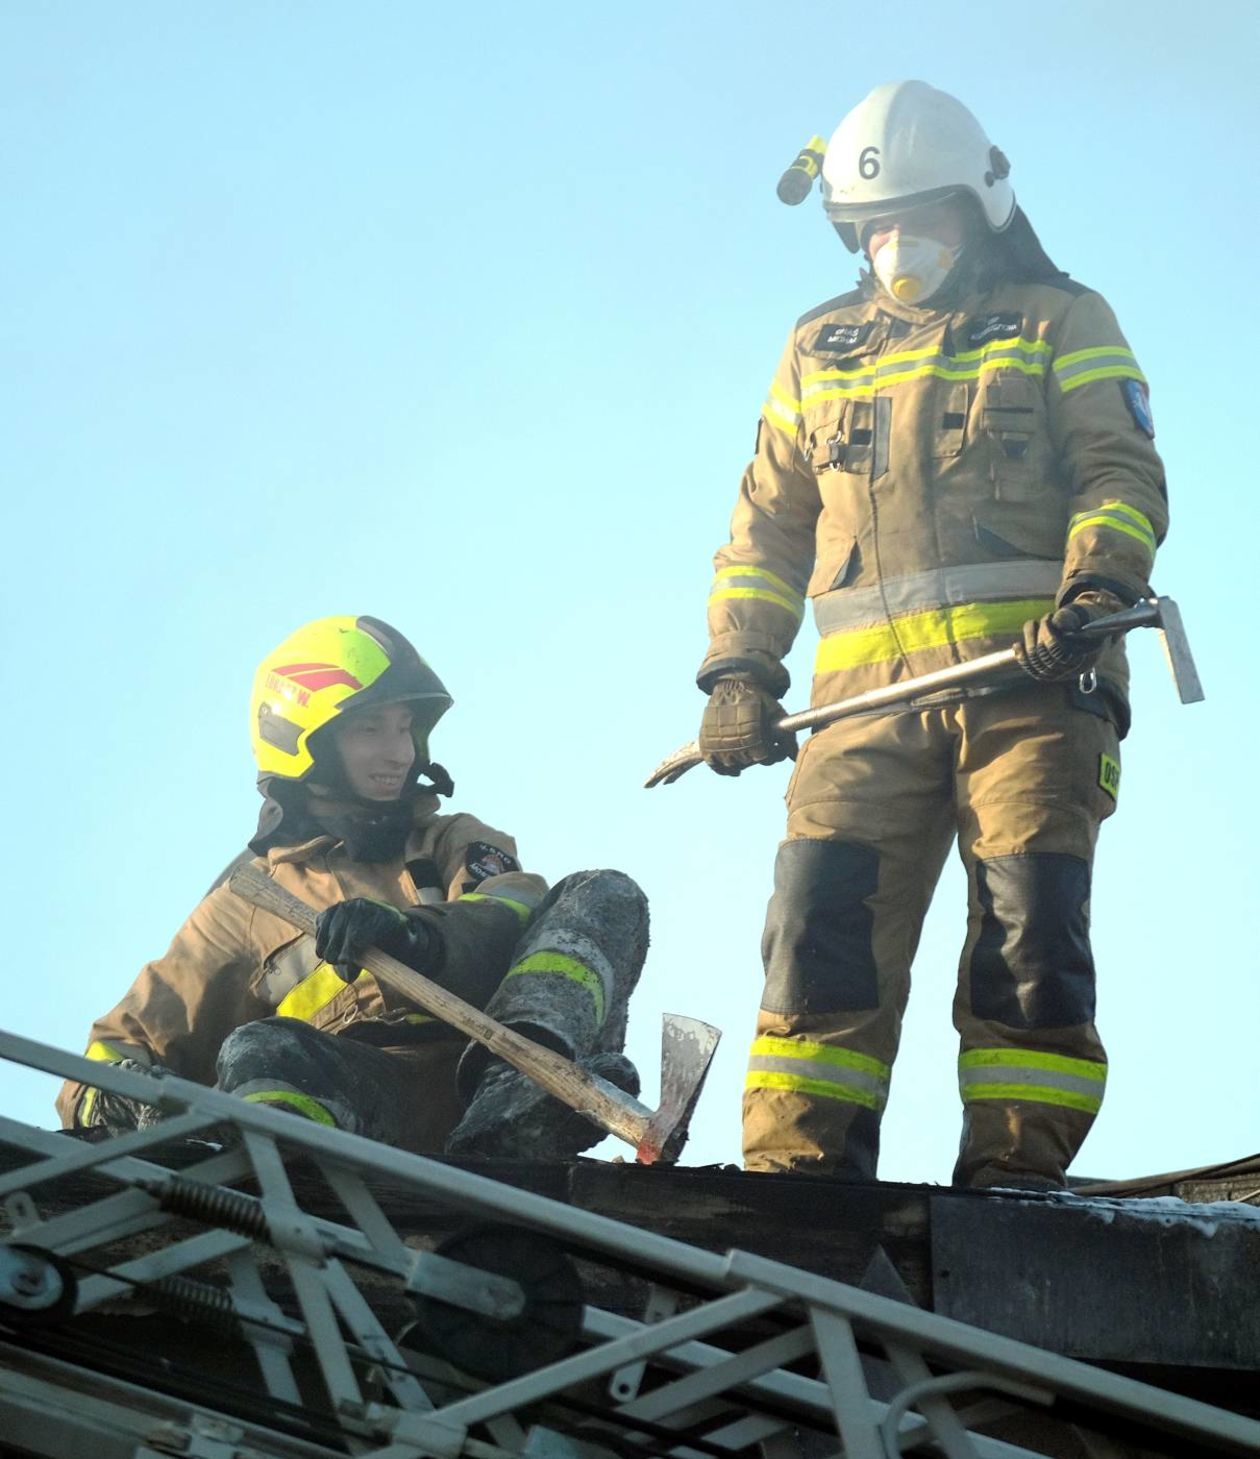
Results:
<point x="817" y="943"/>
<point x="1031" y="966"/>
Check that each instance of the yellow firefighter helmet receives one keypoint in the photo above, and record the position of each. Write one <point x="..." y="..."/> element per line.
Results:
<point x="325" y="669"/>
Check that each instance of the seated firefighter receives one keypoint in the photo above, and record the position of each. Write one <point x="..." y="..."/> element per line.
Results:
<point x="341" y="716"/>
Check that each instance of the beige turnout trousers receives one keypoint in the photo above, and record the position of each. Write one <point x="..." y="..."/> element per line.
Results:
<point x="1023" y="779"/>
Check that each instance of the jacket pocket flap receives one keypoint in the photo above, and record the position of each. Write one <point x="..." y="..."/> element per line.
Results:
<point x="1006" y="534"/>
<point x="834" y="569"/>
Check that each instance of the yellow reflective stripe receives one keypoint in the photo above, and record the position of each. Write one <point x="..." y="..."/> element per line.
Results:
<point x="104" y="1053"/>
<point x="1114" y="362"/>
<point x="522" y="909"/>
<point x="781" y="397"/>
<point x="303" y="1103"/>
<point x="1095" y="352"/>
<point x="1036" y="1094"/>
<point x="1033" y="1059"/>
<point x="772" y="1047"/>
<point x="312" y="993"/>
<point x="418" y="1018"/>
<point x="822" y="1088"/>
<point x="1028" y="346"/>
<point x="780" y="416"/>
<point x="932" y="353"/>
<point x="1107" y="372"/>
<point x="565" y="967"/>
<point x="797" y="610"/>
<point x="932" y="629"/>
<point x="772" y="578"/>
<point x="1131" y="522"/>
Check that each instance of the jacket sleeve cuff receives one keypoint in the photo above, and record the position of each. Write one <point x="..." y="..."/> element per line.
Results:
<point x="1127" y="589"/>
<point x="768" y="672"/>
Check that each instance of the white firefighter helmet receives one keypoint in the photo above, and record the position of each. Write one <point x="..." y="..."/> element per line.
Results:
<point x="907" y="144"/>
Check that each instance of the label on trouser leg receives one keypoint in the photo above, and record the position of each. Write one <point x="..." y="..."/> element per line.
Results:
<point x="817" y="946"/>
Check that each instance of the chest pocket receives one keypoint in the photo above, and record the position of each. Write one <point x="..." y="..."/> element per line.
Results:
<point x="1012" y="421"/>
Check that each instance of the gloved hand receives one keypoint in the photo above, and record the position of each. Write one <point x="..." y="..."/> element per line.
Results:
<point x="119" y="1114"/>
<point x="343" y="931"/>
<point x="738" y="727"/>
<point x="1052" y="647"/>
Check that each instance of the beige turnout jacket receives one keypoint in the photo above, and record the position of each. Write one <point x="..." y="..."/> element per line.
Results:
<point x="931" y="479"/>
<point x="230" y="963"/>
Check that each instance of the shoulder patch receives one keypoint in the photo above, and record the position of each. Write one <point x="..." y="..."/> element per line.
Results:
<point x="1138" y="398"/>
<point x="841" y="301"/>
<point x="987" y="327"/>
<point x="840" y="338"/>
<point x="483" y="860"/>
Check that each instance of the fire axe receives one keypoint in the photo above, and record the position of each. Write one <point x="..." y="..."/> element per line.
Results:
<point x="1161" y="614"/>
<point x="687" y="1045"/>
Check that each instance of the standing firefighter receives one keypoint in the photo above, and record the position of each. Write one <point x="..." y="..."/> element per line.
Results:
<point x="341" y="717"/>
<point x="954" y="455"/>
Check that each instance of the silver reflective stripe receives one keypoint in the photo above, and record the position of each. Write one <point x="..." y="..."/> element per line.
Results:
<point x="290" y="966"/>
<point x="825" y="1073"/>
<point x="1108" y="360"/>
<point x="1016" y="1073"/>
<point x="939" y="587"/>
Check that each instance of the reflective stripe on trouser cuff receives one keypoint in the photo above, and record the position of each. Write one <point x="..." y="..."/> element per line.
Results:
<point x="103" y="1053"/>
<point x="935" y="629"/>
<point x="565" y="967"/>
<point x="934" y="590"/>
<point x="304" y="1104"/>
<point x="1121" y="518"/>
<point x="1104" y="362"/>
<point x="819" y="1069"/>
<point x="522" y="909"/>
<point x="756" y="583"/>
<point x="1031" y="1076"/>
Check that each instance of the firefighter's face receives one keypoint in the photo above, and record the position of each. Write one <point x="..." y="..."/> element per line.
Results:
<point x="944" y="221"/>
<point x="377" y="750"/>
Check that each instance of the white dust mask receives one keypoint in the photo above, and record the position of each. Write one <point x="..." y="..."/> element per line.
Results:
<point x="912" y="269"/>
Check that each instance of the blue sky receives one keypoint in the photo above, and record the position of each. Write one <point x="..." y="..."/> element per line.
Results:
<point x="464" y="321"/>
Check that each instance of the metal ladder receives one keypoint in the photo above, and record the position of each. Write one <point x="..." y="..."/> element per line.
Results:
<point x="507" y="1357"/>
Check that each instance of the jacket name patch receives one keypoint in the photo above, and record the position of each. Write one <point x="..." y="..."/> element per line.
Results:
<point x="989" y="327"/>
<point x="834" y="338"/>
<point x="484" y="860"/>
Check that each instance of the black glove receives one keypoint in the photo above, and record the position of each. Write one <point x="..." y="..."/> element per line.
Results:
<point x="342" y="932"/>
<point x="1053" y="648"/>
<point x="118" y="1113"/>
<point x="738" y="727"/>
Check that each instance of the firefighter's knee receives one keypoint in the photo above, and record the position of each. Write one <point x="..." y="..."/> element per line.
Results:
<point x="1031" y="964"/>
<point x="817" y="946"/>
<point x="268" y="1046"/>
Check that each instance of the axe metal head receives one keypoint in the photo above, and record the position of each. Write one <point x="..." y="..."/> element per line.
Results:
<point x="1172" y="636"/>
<point x="687" y="1049"/>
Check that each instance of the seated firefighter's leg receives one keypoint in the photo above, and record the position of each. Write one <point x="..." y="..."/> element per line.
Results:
<point x="402" y="1097"/>
<point x="1031" y="1066"/>
<point x="568" y="988"/>
<point x="868" y="827"/>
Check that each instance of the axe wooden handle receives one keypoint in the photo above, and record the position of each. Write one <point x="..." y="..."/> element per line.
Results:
<point x="603" y="1104"/>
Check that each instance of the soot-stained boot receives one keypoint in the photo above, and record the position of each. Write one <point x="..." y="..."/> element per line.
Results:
<point x="569" y="989"/>
<point x="512" y="1118"/>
